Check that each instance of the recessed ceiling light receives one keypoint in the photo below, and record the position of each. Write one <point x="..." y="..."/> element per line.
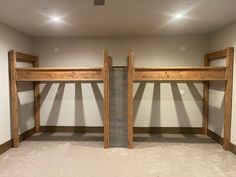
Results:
<point x="56" y="19"/>
<point x="178" y="16"/>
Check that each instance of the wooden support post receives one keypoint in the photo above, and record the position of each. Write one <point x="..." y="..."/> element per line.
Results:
<point x="14" y="99"/>
<point x="36" y="100"/>
<point x="205" y="110"/>
<point x="106" y="75"/>
<point x="130" y="98"/>
<point x="228" y="97"/>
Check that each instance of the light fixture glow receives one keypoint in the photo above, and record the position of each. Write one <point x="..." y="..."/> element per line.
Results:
<point x="56" y="19"/>
<point x="178" y="16"/>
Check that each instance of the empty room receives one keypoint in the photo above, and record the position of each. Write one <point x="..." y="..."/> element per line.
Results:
<point x="117" y="88"/>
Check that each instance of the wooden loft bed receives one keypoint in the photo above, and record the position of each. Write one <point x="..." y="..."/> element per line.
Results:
<point x="37" y="74"/>
<point x="205" y="74"/>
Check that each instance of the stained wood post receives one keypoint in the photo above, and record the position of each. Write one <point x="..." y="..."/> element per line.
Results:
<point x="106" y="76"/>
<point x="130" y="98"/>
<point x="205" y="110"/>
<point x="36" y="100"/>
<point x="14" y="100"/>
<point x="228" y="96"/>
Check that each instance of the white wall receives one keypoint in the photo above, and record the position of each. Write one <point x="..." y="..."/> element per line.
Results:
<point x="11" y="39"/>
<point x="61" y="105"/>
<point x="225" y="37"/>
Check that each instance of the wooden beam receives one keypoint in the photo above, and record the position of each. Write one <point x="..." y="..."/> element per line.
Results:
<point x="205" y="110"/>
<point x="130" y="98"/>
<point x="180" y="74"/>
<point x="59" y="74"/>
<point x="228" y="97"/>
<point x="22" y="57"/>
<point x="36" y="100"/>
<point x="217" y="55"/>
<point x="14" y="99"/>
<point x="106" y="78"/>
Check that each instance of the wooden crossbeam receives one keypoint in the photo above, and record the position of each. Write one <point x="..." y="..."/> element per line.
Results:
<point x="178" y="74"/>
<point x="217" y="55"/>
<point x="22" y="57"/>
<point x="59" y="74"/>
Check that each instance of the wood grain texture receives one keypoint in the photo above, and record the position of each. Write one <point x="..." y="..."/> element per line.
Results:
<point x="217" y="54"/>
<point x="22" y="57"/>
<point x="205" y="108"/>
<point x="130" y="98"/>
<point x="59" y="74"/>
<point x="180" y="74"/>
<point x="14" y="100"/>
<point x="228" y="97"/>
<point x="106" y="76"/>
<point x="36" y="100"/>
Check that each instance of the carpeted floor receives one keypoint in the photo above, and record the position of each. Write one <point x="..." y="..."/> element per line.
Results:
<point x="82" y="155"/>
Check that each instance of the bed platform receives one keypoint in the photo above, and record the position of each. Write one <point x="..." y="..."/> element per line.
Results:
<point x="204" y="73"/>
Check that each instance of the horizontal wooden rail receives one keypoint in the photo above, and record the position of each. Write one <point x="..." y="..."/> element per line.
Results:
<point x="59" y="74"/>
<point x="22" y="57"/>
<point x="217" y="55"/>
<point x="180" y="73"/>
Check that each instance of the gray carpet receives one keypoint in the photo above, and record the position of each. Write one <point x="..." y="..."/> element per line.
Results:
<point x="82" y="155"/>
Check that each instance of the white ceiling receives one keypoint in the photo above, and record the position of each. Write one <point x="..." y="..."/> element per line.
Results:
<point x="117" y="17"/>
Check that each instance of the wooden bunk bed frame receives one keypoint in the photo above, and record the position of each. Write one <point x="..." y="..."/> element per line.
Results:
<point x="205" y="74"/>
<point x="37" y="74"/>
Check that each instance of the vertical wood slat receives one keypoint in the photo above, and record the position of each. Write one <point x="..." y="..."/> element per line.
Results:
<point x="228" y="97"/>
<point x="130" y="98"/>
<point x="205" y="109"/>
<point x="36" y="100"/>
<point x="106" y="75"/>
<point x="14" y="100"/>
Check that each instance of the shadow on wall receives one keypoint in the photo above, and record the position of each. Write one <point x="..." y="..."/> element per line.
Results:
<point x="156" y="106"/>
<point x="79" y="116"/>
<point x="54" y="113"/>
<point x="217" y="85"/>
<point x="44" y="92"/>
<point x="25" y="114"/>
<point x="195" y="94"/>
<point x="99" y="98"/>
<point x="181" y="112"/>
<point x="183" y="118"/>
<point x="138" y="97"/>
<point x="217" y="113"/>
<point x="26" y="110"/>
<point x="25" y="86"/>
<point x="79" y="105"/>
